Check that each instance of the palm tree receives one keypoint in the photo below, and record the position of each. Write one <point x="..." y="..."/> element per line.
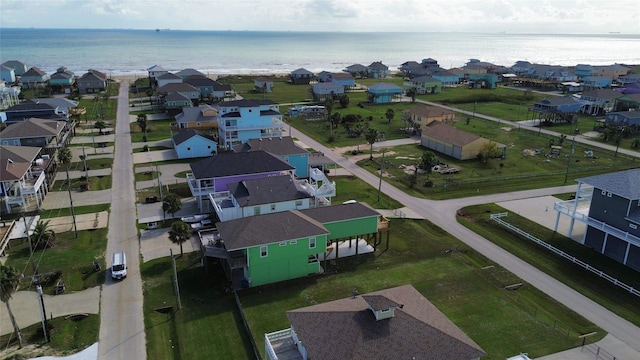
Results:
<point x="371" y="135"/>
<point x="389" y="114"/>
<point x="180" y="232"/>
<point x="44" y="236"/>
<point x="171" y="203"/>
<point x="9" y="280"/>
<point x="142" y="122"/>
<point x="328" y="108"/>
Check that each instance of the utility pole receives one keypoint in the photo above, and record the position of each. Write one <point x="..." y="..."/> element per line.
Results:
<point x="43" y="313"/>
<point x="26" y="231"/>
<point x="176" y="288"/>
<point x="381" y="171"/>
<point x="566" y="174"/>
<point x="84" y="161"/>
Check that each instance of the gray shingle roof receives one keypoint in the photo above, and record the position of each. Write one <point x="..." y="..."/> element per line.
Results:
<point x="328" y="214"/>
<point x="185" y="135"/>
<point x="625" y="184"/>
<point x="267" y="229"/>
<point x="277" y="146"/>
<point x="267" y="190"/>
<point x="230" y="164"/>
<point x="347" y="329"/>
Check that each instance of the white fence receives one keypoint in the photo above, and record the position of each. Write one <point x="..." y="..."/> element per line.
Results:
<point x="497" y="218"/>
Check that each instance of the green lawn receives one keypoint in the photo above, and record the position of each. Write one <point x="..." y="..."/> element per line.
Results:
<point x="497" y="175"/>
<point x="461" y="283"/>
<point x="101" y="182"/>
<point x="156" y="130"/>
<point x="599" y="290"/>
<point x="67" y="336"/>
<point x="71" y="257"/>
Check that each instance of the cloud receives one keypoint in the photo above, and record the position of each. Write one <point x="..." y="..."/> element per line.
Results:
<point x="538" y="16"/>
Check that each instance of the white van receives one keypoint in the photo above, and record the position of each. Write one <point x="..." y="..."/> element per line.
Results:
<point x="119" y="265"/>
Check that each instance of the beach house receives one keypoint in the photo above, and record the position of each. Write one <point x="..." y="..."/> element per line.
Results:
<point x="383" y="93"/>
<point x="34" y="132"/>
<point x="23" y="177"/>
<point x="301" y="76"/>
<point x="34" y="78"/>
<point x="420" y="116"/>
<point x="213" y="174"/>
<point x="609" y="204"/>
<point x="19" y="68"/>
<point x="203" y="117"/>
<point x="282" y="146"/>
<point x="92" y="81"/>
<point x="395" y="323"/>
<point x="424" y="85"/>
<point x="241" y="120"/>
<point x="262" y="85"/>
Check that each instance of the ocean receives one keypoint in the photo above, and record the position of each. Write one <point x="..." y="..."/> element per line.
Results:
<point x="119" y="52"/>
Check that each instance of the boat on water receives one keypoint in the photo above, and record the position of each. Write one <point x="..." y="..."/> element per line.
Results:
<point x="194" y="218"/>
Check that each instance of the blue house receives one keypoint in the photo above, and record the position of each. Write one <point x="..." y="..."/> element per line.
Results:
<point x="7" y="74"/>
<point x="283" y="147"/>
<point x="612" y="215"/>
<point x="241" y="120"/>
<point x="19" y="68"/>
<point x="557" y="105"/>
<point x="324" y="90"/>
<point x="596" y="82"/>
<point x="34" y="78"/>
<point x="383" y="93"/>
<point x="626" y="118"/>
<point x="448" y="79"/>
<point x="192" y="144"/>
<point x="62" y="79"/>
<point x="483" y="81"/>
<point x="343" y="78"/>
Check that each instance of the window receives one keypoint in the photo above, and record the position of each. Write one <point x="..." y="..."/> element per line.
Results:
<point x="264" y="252"/>
<point x="283" y="243"/>
<point x="312" y="243"/>
<point x="633" y="226"/>
<point x="188" y="149"/>
<point x="299" y="203"/>
<point x="604" y="192"/>
<point x="198" y="124"/>
<point x="256" y="210"/>
<point x="293" y="242"/>
<point x="273" y="207"/>
<point x="608" y="194"/>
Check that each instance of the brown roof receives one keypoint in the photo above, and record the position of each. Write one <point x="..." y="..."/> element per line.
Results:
<point x="429" y="111"/>
<point x="33" y="127"/>
<point x="277" y="146"/>
<point x="16" y="160"/>
<point x="347" y="329"/>
<point x="449" y="134"/>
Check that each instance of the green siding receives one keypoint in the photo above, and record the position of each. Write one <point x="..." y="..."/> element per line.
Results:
<point x="284" y="262"/>
<point x="352" y="227"/>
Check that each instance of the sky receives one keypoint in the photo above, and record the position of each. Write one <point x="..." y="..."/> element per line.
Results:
<point x="510" y="16"/>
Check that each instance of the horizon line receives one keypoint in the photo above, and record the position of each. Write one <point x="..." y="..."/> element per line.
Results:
<point x="500" y="32"/>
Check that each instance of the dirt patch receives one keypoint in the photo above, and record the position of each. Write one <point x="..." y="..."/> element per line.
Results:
<point x="506" y="128"/>
<point x="529" y="152"/>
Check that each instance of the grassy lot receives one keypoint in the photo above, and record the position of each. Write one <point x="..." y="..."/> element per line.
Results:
<point x="462" y="284"/>
<point x="599" y="290"/>
<point x="71" y="258"/>
<point x="67" y="336"/>
<point x="156" y="130"/>
<point x="101" y="182"/>
<point x="77" y="210"/>
<point x="207" y="326"/>
<point x="497" y="175"/>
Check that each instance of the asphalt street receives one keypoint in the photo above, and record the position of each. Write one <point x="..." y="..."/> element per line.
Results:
<point x="122" y="333"/>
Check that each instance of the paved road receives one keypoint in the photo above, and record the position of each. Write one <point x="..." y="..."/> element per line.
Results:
<point x="122" y="333"/>
<point x="443" y="214"/>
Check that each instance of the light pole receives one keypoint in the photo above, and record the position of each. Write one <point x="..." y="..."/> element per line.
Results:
<point x="566" y="174"/>
<point x="43" y="313"/>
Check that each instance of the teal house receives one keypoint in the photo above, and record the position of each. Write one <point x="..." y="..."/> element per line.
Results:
<point x="383" y="93"/>
<point x="265" y="249"/>
<point x="63" y="79"/>
<point x="283" y="147"/>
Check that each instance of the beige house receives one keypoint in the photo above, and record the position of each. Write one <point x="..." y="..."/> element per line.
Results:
<point x="421" y="116"/>
<point x="450" y="141"/>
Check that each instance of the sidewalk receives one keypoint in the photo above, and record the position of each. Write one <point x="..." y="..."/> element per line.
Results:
<point x="24" y="305"/>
